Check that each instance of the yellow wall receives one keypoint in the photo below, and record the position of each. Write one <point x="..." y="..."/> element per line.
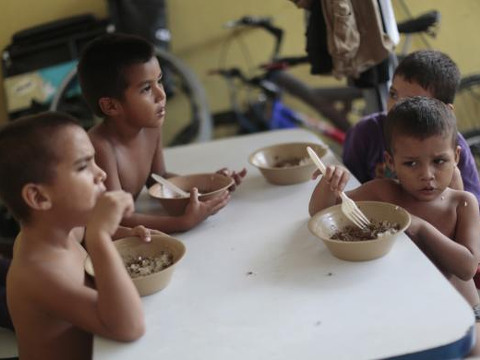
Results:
<point x="199" y="38"/>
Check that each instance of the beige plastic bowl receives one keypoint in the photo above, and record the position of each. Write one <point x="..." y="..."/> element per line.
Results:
<point x="133" y="246"/>
<point x="209" y="186"/>
<point x="269" y="161"/>
<point x="326" y="222"/>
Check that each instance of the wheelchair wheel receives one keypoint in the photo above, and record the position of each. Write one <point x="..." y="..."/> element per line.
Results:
<point x="188" y="118"/>
<point x="467" y="105"/>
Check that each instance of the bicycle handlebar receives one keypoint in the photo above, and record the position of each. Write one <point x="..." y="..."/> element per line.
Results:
<point x="264" y="23"/>
<point x="423" y="23"/>
<point x="249" y="20"/>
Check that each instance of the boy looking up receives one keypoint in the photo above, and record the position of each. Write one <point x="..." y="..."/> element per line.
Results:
<point x="121" y="80"/>
<point x="420" y="138"/>
<point x="54" y="187"/>
<point x="428" y="73"/>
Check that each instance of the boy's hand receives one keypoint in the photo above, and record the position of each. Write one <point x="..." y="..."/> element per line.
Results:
<point x="111" y="207"/>
<point x="197" y="211"/>
<point x="142" y="232"/>
<point x="236" y="176"/>
<point x="336" y="176"/>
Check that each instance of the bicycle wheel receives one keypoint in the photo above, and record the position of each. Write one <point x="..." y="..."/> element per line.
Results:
<point x="467" y="104"/>
<point x="188" y="111"/>
<point x="473" y="140"/>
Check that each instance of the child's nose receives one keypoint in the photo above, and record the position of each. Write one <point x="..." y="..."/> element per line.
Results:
<point x="427" y="172"/>
<point x="100" y="175"/>
<point x="159" y="92"/>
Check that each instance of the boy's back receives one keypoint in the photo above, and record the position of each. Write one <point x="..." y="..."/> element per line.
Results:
<point x="41" y="333"/>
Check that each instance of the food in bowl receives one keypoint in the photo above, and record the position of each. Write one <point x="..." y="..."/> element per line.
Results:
<point x="327" y="222"/>
<point x="373" y="231"/>
<point x="146" y="265"/>
<point x="159" y="257"/>
<point x="293" y="162"/>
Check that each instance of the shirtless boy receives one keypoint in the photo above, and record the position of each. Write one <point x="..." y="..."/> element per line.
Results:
<point x="52" y="188"/>
<point x="420" y="135"/>
<point x="121" y="80"/>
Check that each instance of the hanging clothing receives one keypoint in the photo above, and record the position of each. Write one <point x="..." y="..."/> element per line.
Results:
<point x="355" y="35"/>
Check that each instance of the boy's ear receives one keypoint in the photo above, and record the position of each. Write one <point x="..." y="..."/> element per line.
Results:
<point x="36" y="197"/>
<point x="109" y="106"/>
<point x="457" y="154"/>
<point x="389" y="160"/>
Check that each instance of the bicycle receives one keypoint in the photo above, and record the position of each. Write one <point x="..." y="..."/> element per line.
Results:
<point x="267" y="109"/>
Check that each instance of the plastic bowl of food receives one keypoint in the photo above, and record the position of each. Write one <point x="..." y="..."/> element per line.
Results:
<point x="150" y="264"/>
<point x="287" y="163"/>
<point x="347" y="242"/>
<point x="209" y="185"/>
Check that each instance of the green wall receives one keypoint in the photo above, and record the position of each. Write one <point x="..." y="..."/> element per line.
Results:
<point x="200" y="39"/>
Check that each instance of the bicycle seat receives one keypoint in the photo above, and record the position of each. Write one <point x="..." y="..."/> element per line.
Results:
<point x="423" y="23"/>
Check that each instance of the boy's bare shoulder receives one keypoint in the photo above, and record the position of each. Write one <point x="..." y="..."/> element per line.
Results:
<point x="98" y="135"/>
<point x="100" y="139"/>
<point x="461" y="198"/>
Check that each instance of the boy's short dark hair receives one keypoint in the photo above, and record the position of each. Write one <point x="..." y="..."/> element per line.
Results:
<point x="419" y="117"/>
<point x="432" y="70"/>
<point x="102" y="65"/>
<point x="28" y="155"/>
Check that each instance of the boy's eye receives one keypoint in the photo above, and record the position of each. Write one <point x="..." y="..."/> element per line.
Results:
<point x="440" y="161"/>
<point x="82" y="166"/>
<point x="146" y="89"/>
<point x="393" y="94"/>
<point x="160" y="81"/>
<point x="410" y="163"/>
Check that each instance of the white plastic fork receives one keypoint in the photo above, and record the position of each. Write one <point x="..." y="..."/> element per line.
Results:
<point x="349" y="208"/>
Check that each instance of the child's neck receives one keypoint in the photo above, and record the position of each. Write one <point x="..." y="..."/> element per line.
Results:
<point x="121" y="130"/>
<point x="44" y="231"/>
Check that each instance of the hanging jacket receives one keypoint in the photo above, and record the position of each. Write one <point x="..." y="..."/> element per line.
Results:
<point x="355" y="36"/>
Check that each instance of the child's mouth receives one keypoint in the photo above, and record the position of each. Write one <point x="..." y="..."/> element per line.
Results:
<point x="427" y="190"/>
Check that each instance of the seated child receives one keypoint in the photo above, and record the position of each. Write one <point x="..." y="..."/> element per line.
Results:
<point x="54" y="189"/>
<point x="420" y="138"/>
<point x="121" y="80"/>
<point x="422" y="73"/>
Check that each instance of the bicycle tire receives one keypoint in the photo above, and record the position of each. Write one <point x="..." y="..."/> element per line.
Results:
<point x="182" y="87"/>
<point x="467" y="104"/>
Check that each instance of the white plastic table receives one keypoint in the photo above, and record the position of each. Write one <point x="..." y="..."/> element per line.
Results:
<point x="255" y="284"/>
